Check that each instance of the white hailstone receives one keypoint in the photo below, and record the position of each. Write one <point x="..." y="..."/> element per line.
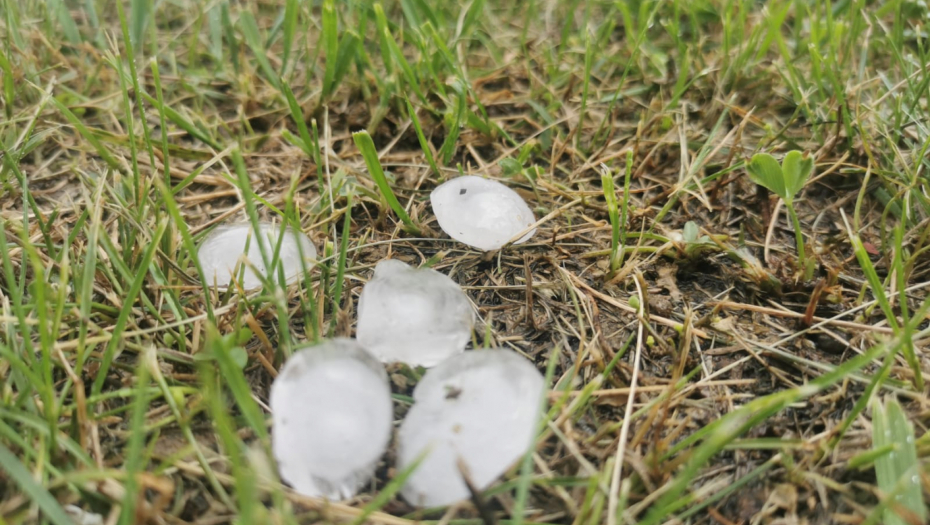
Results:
<point x="481" y="213"/>
<point x="414" y="316"/>
<point x="480" y="407"/>
<point x="332" y="414"/>
<point x="224" y="248"/>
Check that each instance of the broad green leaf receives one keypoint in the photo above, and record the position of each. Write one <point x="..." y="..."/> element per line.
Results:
<point x="890" y="428"/>
<point x="764" y="170"/>
<point x="796" y="169"/>
<point x="690" y="233"/>
<point x="881" y="438"/>
<point x="511" y="167"/>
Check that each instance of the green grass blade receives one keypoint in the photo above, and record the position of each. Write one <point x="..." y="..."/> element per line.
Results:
<point x="625" y="205"/>
<point x="60" y="10"/>
<point x="162" y="119"/>
<point x="875" y="282"/>
<point x="298" y="116"/>
<point x="249" y="197"/>
<point x="345" y="56"/>
<point x="141" y="274"/>
<point x="51" y="510"/>
<point x="453" y="124"/>
<point x="88" y="136"/>
<point x="86" y="283"/>
<point x="613" y="212"/>
<point x="526" y="465"/>
<point x="229" y="34"/>
<point x="234" y="379"/>
<point x="9" y="90"/>
<point x="722" y="431"/>
<point x="134" y="458"/>
<point x="185" y="124"/>
<point x="367" y="147"/>
<point x="424" y="143"/>
<point x="391" y="51"/>
<point x="341" y="265"/>
<point x="138" y="13"/>
<point x="330" y="23"/>
<point x="291" y="14"/>
<point x="253" y="38"/>
<point x="137" y="89"/>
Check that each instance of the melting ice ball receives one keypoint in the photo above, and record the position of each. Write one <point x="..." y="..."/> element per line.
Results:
<point x="225" y="245"/>
<point x="332" y="416"/>
<point x="480" y="407"/>
<point x="481" y="213"/>
<point x="415" y="316"/>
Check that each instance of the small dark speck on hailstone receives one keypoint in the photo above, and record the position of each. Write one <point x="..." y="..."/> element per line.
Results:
<point x="452" y="392"/>
<point x="462" y="191"/>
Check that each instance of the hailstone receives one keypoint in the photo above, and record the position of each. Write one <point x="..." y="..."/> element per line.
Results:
<point x="480" y="407"/>
<point x="332" y="415"/>
<point x="481" y="213"/>
<point x="414" y="316"/>
<point x="224" y="248"/>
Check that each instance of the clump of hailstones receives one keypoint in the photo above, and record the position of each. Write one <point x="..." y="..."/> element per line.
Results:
<point x="221" y="254"/>
<point x="332" y="414"/>
<point x="481" y="213"/>
<point x="480" y="408"/>
<point x="414" y="316"/>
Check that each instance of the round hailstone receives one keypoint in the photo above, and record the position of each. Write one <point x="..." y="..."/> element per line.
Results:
<point x="224" y="247"/>
<point x="415" y="316"/>
<point x="480" y="407"/>
<point x="332" y="413"/>
<point x="481" y="213"/>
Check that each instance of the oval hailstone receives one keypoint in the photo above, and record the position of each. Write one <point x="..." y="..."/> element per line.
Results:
<point x="482" y="407"/>
<point x="332" y="414"/>
<point x="481" y="213"/>
<point x="222" y="249"/>
<point x="415" y="316"/>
